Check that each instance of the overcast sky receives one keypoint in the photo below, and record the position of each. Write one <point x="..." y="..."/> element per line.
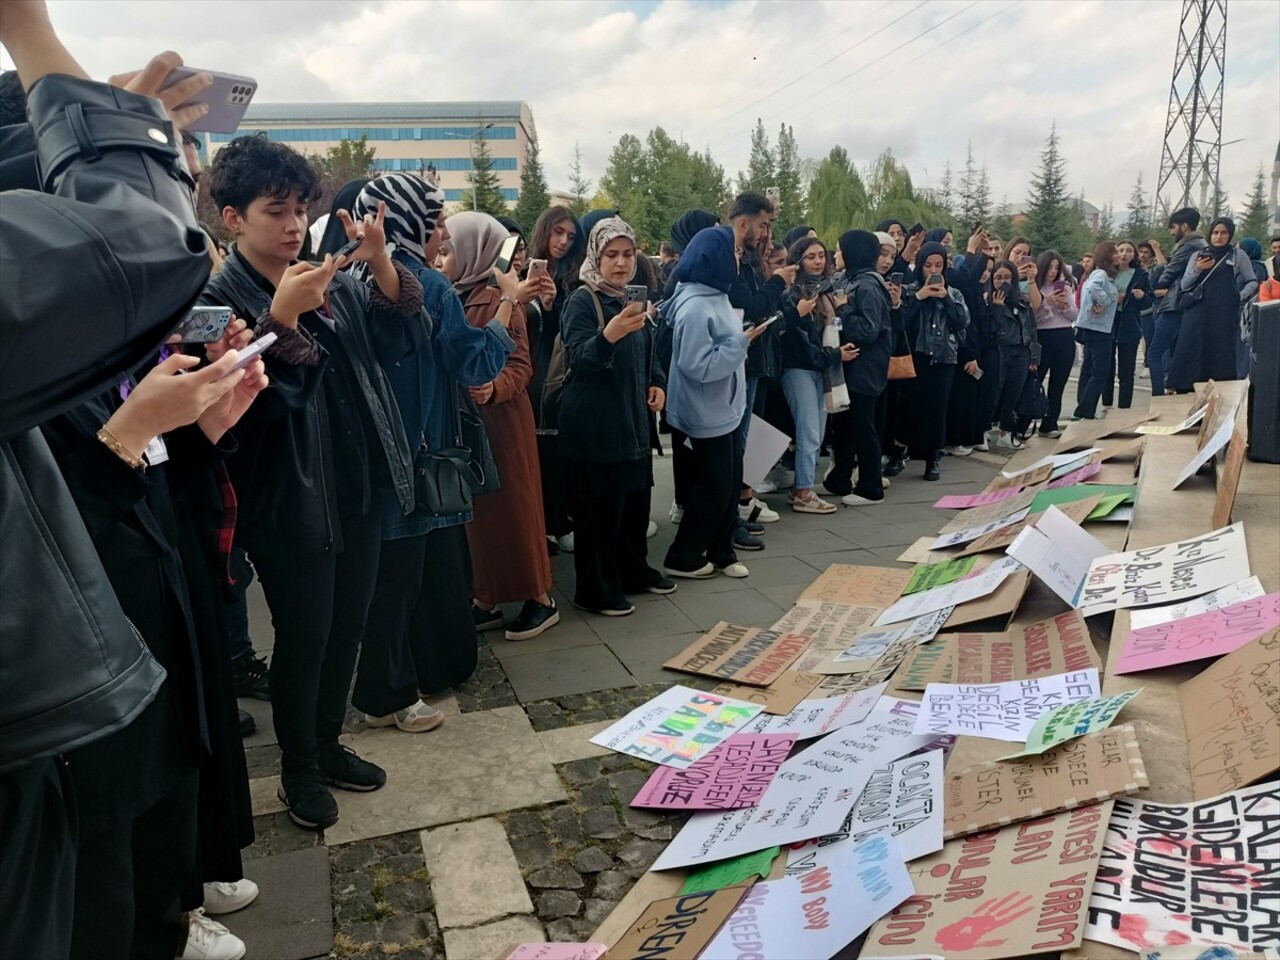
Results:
<point x="921" y="77"/>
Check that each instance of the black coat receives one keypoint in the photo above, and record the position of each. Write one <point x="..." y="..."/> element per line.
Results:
<point x="866" y="320"/>
<point x="758" y="301"/>
<point x="802" y="336"/>
<point x="1128" y="325"/>
<point x="604" y="417"/>
<point x="1208" y="331"/>
<point x="97" y="270"/>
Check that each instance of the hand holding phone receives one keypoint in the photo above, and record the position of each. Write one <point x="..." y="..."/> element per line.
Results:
<point x="203" y="324"/>
<point x="225" y="98"/>
<point x="506" y="253"/>
<point x="250" y="354"/>
<point x="636" y="293"/>
<point x="627" y="321"/>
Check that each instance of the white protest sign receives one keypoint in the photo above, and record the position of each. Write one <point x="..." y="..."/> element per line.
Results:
<point x="1001" y="711"/>
<point x="953" y="594"/>
<point x="1217" y="440"/>
<point x="677" y="727"/>
<point x="1247" y="589"/>
<point x="973" y="533"/>
<point x="813" y="718"/>
<point x="765" y="446"/>
<point x="1058" y="461"/>
<point x="1058" y="551"/>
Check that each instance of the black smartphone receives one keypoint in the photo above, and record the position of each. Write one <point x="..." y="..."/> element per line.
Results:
<point x="935" y="279"/>
<point x="505" y="255"/>
<point x="918" y="228"/>
<point x="896" y="278"/>
<point x="977" y="225"/>
<point x="636" y="293"/>
<point x="347" y="249"/>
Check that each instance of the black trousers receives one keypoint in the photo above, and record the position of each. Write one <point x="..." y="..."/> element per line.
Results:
<point x="129" y="880"/>
<point x="989" y="388"/>
<point x="610" y="550"/>
<point x="555" y="480"/>
<point x="37" y="860"/>
<point x="1095" y="372"/>
<point x="683" y="467"/>
<point x="844" y="453"/>
<point x="1057" y="357"/>
<point x="711" y="511"/>
<point x="866" y="446"/>
<point x="319" y="605"/>
<point x="1126" y="364"/>
<point x="1014" y="364"/>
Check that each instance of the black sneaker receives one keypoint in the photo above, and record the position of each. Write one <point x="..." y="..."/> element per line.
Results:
<point x="753" y="528"/>
<point x="533" y="621"/>
<point x="486" y="619"/>
<point x="620" y="609"/>
<point x="310" y="805"/>
<point x="662" y="587"/>
<point x="341" y="768"/>
<point x="742" y="540"/>
<point x="247" y="723"/>
<point x="249" y="673"/>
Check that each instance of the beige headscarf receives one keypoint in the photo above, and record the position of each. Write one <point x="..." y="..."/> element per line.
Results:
<point x="602" y="234"/>
<point x="477" y="240"/>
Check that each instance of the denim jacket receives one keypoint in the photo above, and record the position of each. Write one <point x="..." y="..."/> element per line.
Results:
<point x="1098" y="289"/>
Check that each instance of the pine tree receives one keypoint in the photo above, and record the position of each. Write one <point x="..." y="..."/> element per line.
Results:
<point x="1139" y="226"/>
<point x="1107" y="223"/>
<point x="579" y="184"/>
<point x="981" y="199"/>
<point x="965" y="202"/>
<point x="762" y="166"/>
<point x="1050" y="217"/>
<point x="790" y="190"/>
<point x="1255" y="218"/>
<point x="1219" y="202"/>
<point x="946" y="189"/>
<point x="535" y="197"/>
<point x="484" y="195"/>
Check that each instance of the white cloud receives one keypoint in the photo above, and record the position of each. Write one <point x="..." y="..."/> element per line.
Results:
<point x="595" y="69"/>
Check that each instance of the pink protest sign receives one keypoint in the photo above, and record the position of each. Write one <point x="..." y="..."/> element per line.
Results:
<point x="1209" y="634"/>
<point x="733" y="775"/>
<point x="1076" y="476"/>
<point x="958" y="501"/>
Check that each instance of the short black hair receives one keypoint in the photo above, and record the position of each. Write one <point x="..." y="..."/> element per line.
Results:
<point x="251" y="166"/>
<point x="1188" y="215"/>
<point x="13" y="99"/>
<point x="750" y="204"/>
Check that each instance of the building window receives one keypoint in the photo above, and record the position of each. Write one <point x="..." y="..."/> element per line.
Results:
<point x="374" y="134"/>
<point x="509" y="194"/>
<point x="442" y="165"/>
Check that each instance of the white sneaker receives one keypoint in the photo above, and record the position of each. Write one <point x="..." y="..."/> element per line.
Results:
<point x="812" y="504"/>
<point x="960" y="450"/>
<point x="1007" y="441"/>
<point x="566" y="542"/>
<point x="704" y="571"/>
<point x="677" y="512"/>
<point x="759" y="511"/>
<point x="209" y="940"/>
<point x="651" y="530"/>
<point x="418" y="718"/>
<point x="220" y="898"/>
<point x="735" y="570"/>
<point x="984" y="446"/>
<point x="766" y="486"/>
<point x="853" y="500"/>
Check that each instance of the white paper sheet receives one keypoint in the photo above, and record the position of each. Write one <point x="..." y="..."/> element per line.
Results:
<point x="1058" y="551"/>
<point x="765" y="446"/>
<point x="814" y="718"/>
<point x="1248" y="589"/>
<point x="973" y="533"/>
<point x="1058" y="460"/>
<point x="952" y="594"/>
<point x="1220" y="437"/>
<point x="677" y="727"/>
<point x="1001" y="711"/>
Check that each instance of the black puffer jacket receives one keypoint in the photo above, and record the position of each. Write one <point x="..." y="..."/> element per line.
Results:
<point x="97" y="271"/>
<point x="866" y="320"/>
<point x="758" y="301"/>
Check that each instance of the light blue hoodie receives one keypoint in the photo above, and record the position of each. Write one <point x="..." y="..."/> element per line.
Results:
<point x="706" y="388"/>
<point x="1098" y="288"/>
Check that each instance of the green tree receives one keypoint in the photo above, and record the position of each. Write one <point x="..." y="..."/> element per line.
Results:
<point x="762" y="166"/>
<point x="1139" y="226"/>
<point x="790" y="188"/>
<point x="981" y="199"/>
<point x="946" y="190"/>
<point x="1107" y="223"/>
<point x="1001" y="221"/>
<point x="1255" y="219"/>
<point x="973" y="201"/>
<point x="484" y="193"/>
<point x="535" y="196"/>
<point x="837" y="197"/>
<point x="626" y="176"/>
<point x="1050" y="214"/>
<point x="579" y="184"/>
<point x="346" y="160"/>
<point x="1219" y="204"/>
<point x="890" y="193"/>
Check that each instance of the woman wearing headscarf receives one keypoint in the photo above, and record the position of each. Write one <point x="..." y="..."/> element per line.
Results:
<point x="421" y="636"/>
<point x="1210" y="301"/>
<point x="969" y="408"/>
<point x="934" y="318"/>
<point x="507" y="538"/>
<point x="708" y="397"/>
<point x="1014" y="322"/>
<point x="866" y="340"/>
<point x="611" y="388"/>
<point x="334" y="237"/>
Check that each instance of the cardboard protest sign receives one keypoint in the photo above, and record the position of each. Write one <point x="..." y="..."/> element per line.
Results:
<point x="1082" y="433"/>
<point x="1076" y="476"/>
<point x="1059" y="552"/>
<point x="740" y="654"/>
<point x="931" y="575"/>
<point x="1229" y="479"/>
<point x="779" y="697"/>
<point x="988" y="513"/>
<point x="831" y="628"/>
<point x="1041" y="649"/>
<point x="1000" y="711"/>
<point x="858" y="585"/>
<point x="964" y="501"/>
<point x="765" y="444"/>
<point x="872" y="644"/>
<point x="677" y="727"/>
<point x="677" y="927"/>
<point x="912" y="674"/>
<point x="1066" y="462"/>
<point x="734" y="774"/>
<point x="1071" y="721"/>
<point x="1005" y="893"/>
<point x="809" y="797"/>
<point x="1002" y="602"/>
<point x="1197" y="874"/>
<point x="1106" y="506"/>
<point x="1209" y="634"/>
<point x="731" y="873"/>
<point x="1168" y="430"/>
<point x="1033" y="476"/>
<point x="814" y="718"/>
<point x="1076" y="510"/>
<point x="1167" y="573"/>
<point x="1074" y="774"/>
<point x="557" y="951"/>
<point x="954" y="538"/>
<point x="1230" y="714"/>
<point x="1246" y="589"/>
<point x="953" y="594"/>
<point x="1218" y="439"/>
<point x="865" y="678"/>
<point x="1061" y="497"/>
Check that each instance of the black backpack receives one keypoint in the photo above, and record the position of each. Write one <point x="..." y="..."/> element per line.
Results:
<point x="1031" y="407"/>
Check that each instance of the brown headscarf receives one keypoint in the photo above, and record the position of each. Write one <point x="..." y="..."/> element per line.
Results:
<point x="602" y="234"/>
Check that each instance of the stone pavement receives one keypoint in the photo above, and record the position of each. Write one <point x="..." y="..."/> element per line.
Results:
<point x="506" y="824"/>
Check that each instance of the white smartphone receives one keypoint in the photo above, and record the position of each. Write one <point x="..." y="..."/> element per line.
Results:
<point x="977" y="373"/>
<point x="228" y="98"/>
<point x="251" y="353"/>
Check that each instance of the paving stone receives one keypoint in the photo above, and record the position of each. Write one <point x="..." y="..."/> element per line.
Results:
<point x="494" y="764"/>
<point x="644" y="655"/>
<point x="559" y="876"/>
<point x="351" y="857"/>
<point x="403" y="864"/>
<point x="635" y="853"/>
<point x="562" y="931"/>
<point x="572" y="633"/>
<point x="275" y="834"/>
<point x="565" y="827"/>
<point x="474" y="874"/>
<point x="558" y="903"/>
<point x="612" y="885"/>
<point x="565" y="744"/>
<point x="748" y="607"/>
<point x="628" y="782"/>
<point x="596" y="792"/>
<point x="654" y="617"/>
<point x="647" y="824"/>
<point x="262" y="761"/>
<point x="483" y="942"/>
<point x="524" y="823"/>
<point x="592" y="860"/>
<point x="553" y="673"/>
<point x="532" y="852"/>
<point x="409" y="896"/>
<point x="401" y="930"/>
<point x="580" y="771"/>
<point x="264" y="733"/>
<point x="601" y="823"/>
<point x="616" y="761"/>
<point x="293" y="917"/>
<point x="597" y="911"/>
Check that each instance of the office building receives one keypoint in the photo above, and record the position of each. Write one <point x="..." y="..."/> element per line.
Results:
<point x="405" y="136"/>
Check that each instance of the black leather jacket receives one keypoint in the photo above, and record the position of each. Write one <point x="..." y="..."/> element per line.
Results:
<point x="934" y="326"/>
<point x="97" y="270"/>
<point x="284" y="471"/>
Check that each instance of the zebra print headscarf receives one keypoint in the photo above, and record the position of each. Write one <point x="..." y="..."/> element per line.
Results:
<point x="413" y="204"/>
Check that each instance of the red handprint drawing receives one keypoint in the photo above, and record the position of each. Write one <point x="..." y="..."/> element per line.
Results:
<point x="965" y="934"/>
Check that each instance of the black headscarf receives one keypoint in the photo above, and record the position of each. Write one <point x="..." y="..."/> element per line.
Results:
<point x="936" y="234"/>
<point x="926" y="249"/>
<point x="860" y="249"/>
<point x="884" y="225"/>
<point x="335" y="235"/>
<point x="513" y="226"/>
<point x="796" y="233"/>
<point x="687" y="225"/>
<point x="709" y="260"/>
<point x="1219" y="252"/>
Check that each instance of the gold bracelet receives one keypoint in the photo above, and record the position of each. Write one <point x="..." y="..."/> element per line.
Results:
<point x="120" y="450"/>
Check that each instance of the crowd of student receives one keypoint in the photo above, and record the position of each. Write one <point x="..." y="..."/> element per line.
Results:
<point x="424" y="431"/>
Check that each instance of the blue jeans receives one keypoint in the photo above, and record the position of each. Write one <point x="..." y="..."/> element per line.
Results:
<point x="1162" y="344"/>
<point x="805" y="392"/>
<point x="1096" y="371"/>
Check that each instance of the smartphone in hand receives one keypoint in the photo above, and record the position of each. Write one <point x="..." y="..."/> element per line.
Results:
<point x="251" y="353"/>
<point x="204" y="324"/>
<point x="228" y="99"/>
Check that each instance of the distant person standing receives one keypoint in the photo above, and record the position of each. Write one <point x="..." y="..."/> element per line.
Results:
<point x="1183" y="225"/>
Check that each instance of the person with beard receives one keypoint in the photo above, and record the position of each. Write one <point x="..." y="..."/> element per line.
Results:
<point x="866" y="340"/>
<point x="934" y="319"/>
<point x="1183" y="225"/>
<point x="1209" y="299"/>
